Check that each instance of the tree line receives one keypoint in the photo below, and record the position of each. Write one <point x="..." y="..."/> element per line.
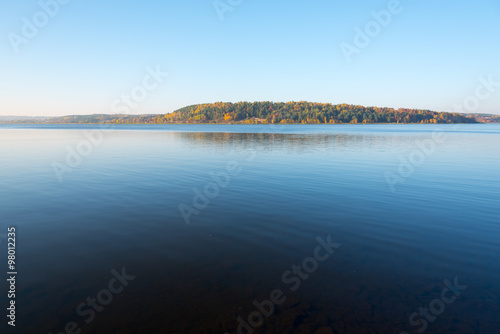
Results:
<point x="305" y="113"/>
<point x="272" y="113"/>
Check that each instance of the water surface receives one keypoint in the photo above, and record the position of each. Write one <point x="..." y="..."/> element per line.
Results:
<point x="117" y="207"/>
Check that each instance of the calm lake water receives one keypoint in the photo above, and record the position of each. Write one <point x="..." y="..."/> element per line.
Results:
<point x="210" y="218"/>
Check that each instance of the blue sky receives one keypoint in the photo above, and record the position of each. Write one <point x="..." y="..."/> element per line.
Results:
<point x="89" y="53"/>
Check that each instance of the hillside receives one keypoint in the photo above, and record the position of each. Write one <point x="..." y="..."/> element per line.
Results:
<point x="485" y="118"/>
<point x="305" y="113"/>
<point x="269" y="113"/>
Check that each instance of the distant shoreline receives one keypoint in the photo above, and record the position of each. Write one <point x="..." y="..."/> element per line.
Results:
<point x="253" y="124"/>
<point x="290" y="113"/>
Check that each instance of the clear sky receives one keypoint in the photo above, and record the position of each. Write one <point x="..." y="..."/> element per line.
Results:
<point x="89" y="53"/>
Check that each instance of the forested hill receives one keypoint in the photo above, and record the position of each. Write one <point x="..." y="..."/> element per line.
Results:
<point x="306" y="113"/>
<point x="270" y="112"/>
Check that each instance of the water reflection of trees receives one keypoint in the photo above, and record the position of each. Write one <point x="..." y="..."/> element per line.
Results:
<point x="291" y="143"/>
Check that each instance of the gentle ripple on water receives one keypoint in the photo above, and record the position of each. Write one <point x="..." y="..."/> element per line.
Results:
<point x="120" y="208"/>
